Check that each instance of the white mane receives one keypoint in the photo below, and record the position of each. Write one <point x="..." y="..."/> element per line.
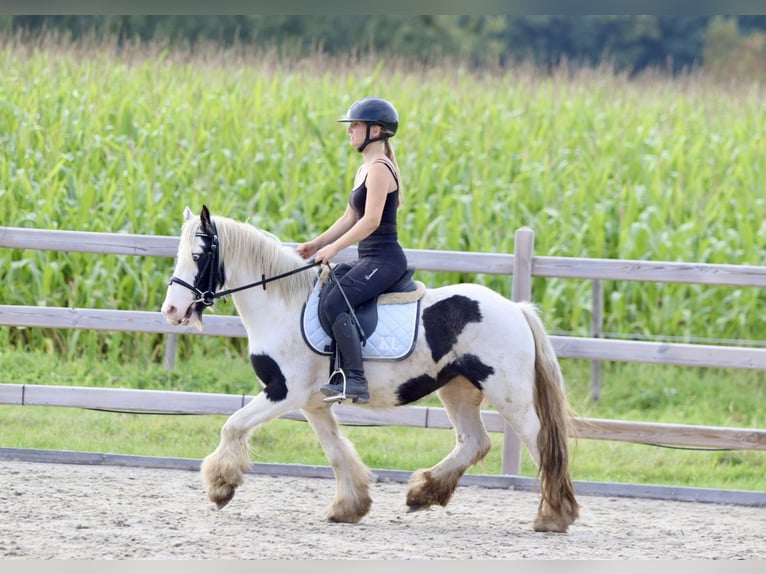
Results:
<point x="245" y="246"/>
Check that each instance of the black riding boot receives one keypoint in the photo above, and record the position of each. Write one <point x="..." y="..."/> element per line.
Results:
<point x="350" y="347"/>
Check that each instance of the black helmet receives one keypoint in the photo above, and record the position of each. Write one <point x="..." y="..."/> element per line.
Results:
<point x="374" y="111"/>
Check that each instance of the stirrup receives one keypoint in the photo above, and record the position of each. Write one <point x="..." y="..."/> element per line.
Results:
<point x="338" y="396"/>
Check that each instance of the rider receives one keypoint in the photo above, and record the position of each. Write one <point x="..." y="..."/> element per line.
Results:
<point x="370" y="221"/>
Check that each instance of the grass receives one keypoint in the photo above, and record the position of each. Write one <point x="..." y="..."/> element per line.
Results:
<point x="630" y="392"/>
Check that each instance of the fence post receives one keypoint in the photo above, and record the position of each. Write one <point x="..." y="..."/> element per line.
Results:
<point x="521" y="290"/>
<point x="171" y="344"/>
<point x="596" y="318"/>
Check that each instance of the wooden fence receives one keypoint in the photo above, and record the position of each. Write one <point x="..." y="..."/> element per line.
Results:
<point x="522" y="266"/>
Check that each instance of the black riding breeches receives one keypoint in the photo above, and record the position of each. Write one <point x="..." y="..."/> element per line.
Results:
<point x="367" y="278"/>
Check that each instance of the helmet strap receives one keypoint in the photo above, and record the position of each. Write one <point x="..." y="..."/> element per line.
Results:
<point x="368" y="140"/>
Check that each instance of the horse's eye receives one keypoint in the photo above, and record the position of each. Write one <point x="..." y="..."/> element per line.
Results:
<point x="196" y="256"/>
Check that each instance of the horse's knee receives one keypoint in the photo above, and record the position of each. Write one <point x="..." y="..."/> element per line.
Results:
<point x="232" y="430"/>
<point x="425" y="490"/>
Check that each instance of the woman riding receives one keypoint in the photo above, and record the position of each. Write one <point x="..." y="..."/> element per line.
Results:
<point x="370" y="221"/>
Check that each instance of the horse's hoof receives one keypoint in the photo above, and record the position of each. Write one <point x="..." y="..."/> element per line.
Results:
<point x="221" y="502"/>
<point x="418" y="508"/>
<point x="542" y="524"/>
<point x="347" y="518"/>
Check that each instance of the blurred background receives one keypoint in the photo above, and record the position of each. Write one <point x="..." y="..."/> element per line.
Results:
<point x="734" y="45"/>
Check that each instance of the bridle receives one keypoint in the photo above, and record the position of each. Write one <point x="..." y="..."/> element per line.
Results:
<point x="212" y="271"/>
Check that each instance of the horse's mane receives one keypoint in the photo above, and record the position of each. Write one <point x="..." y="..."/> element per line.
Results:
<point x="244" y="245"/>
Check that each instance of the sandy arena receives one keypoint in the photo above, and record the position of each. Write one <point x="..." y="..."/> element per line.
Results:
<point x="68" y="511"/>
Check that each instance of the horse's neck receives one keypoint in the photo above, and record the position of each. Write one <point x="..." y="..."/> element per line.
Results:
<point x="260" y="311"/>
<point x="262" y="308"/>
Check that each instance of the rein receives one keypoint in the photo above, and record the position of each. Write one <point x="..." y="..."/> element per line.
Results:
<point x="263" y="281"/>
<point x="207" y="298"/>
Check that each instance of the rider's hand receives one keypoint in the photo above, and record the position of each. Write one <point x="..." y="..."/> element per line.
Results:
<point x="325" y="254"/>
<point x="306" y="250"/>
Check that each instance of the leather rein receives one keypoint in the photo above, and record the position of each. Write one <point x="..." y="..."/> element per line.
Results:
<point x="211" y="268"/>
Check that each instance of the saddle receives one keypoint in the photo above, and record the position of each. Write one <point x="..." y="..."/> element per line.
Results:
<point x="388" y="321"/>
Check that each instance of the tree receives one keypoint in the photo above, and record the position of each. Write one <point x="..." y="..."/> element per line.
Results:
<point x="632" y="43"/>
<point x="728" y="54"/>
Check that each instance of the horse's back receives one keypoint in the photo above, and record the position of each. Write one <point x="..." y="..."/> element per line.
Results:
<point x="473" y="298"/>
<point x="475" y="291"/>
<point x="475" y="316"/>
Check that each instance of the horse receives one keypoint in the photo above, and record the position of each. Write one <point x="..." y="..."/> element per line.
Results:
<point x="472" y="345"/>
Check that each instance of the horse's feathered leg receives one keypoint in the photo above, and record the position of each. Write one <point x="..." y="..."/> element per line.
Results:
<point x="223" y="470"/>
<point x="352" y="478"/>
<point x="427" y="487"/>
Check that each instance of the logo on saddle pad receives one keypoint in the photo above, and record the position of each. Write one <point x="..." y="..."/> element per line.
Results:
<point x="393" y="335"/>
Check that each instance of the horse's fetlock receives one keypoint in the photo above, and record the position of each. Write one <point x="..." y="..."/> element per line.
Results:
<point x="349" y="511"/>
<point x="221" y="478"/>
<point x="550" y="523"/>
<point x="424" y="490"/>
<point x="556" y="520"/>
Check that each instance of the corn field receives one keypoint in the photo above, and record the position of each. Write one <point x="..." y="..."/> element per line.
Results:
<point x="598" y="164"/>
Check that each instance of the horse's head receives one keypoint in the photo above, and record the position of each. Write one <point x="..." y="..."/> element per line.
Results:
<point x="198" y="272"/>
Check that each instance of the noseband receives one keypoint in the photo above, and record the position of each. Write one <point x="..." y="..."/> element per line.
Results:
<point x="215" y="275"/>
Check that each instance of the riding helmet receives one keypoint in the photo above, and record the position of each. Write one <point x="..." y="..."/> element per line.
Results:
<point x="374" y="111"/>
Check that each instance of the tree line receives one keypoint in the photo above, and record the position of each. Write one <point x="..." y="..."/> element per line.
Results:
<point x="628" y="43"/>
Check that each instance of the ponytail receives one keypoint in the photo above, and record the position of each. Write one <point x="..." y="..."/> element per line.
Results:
<point x="389" y="151"/>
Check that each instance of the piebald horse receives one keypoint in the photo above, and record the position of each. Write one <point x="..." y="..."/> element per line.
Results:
<point x="471" y="344"/>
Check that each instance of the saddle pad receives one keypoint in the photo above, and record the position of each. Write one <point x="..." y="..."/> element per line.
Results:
<point x="392" y="339"/>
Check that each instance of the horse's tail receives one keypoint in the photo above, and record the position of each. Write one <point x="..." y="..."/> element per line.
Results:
<point x="558" y="507"/>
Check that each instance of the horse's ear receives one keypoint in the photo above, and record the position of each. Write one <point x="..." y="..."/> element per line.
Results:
<point x="204" y="218"/>
<point x="188" y="213"/>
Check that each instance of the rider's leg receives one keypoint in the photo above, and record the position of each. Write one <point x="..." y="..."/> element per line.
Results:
<point x="350" y="346"/>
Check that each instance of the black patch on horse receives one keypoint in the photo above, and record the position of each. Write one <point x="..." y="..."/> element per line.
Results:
<point x="268" y="371"/>
<point x="469" y="366"/>
<point x="416" y="388"/>
<point x="444" y="321"/>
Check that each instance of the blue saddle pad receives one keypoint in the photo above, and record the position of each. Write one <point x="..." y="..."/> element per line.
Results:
<point x="392" y="339"/>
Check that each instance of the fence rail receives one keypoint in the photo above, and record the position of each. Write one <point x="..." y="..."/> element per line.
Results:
<point x="522" y="266"/>
<point x="423" y="259"/>
<point x="591" y="348"/>
<point x="177" y="402"/>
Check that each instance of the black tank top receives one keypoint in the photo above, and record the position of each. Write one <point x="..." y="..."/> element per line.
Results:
<point x="387" y="229"/>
